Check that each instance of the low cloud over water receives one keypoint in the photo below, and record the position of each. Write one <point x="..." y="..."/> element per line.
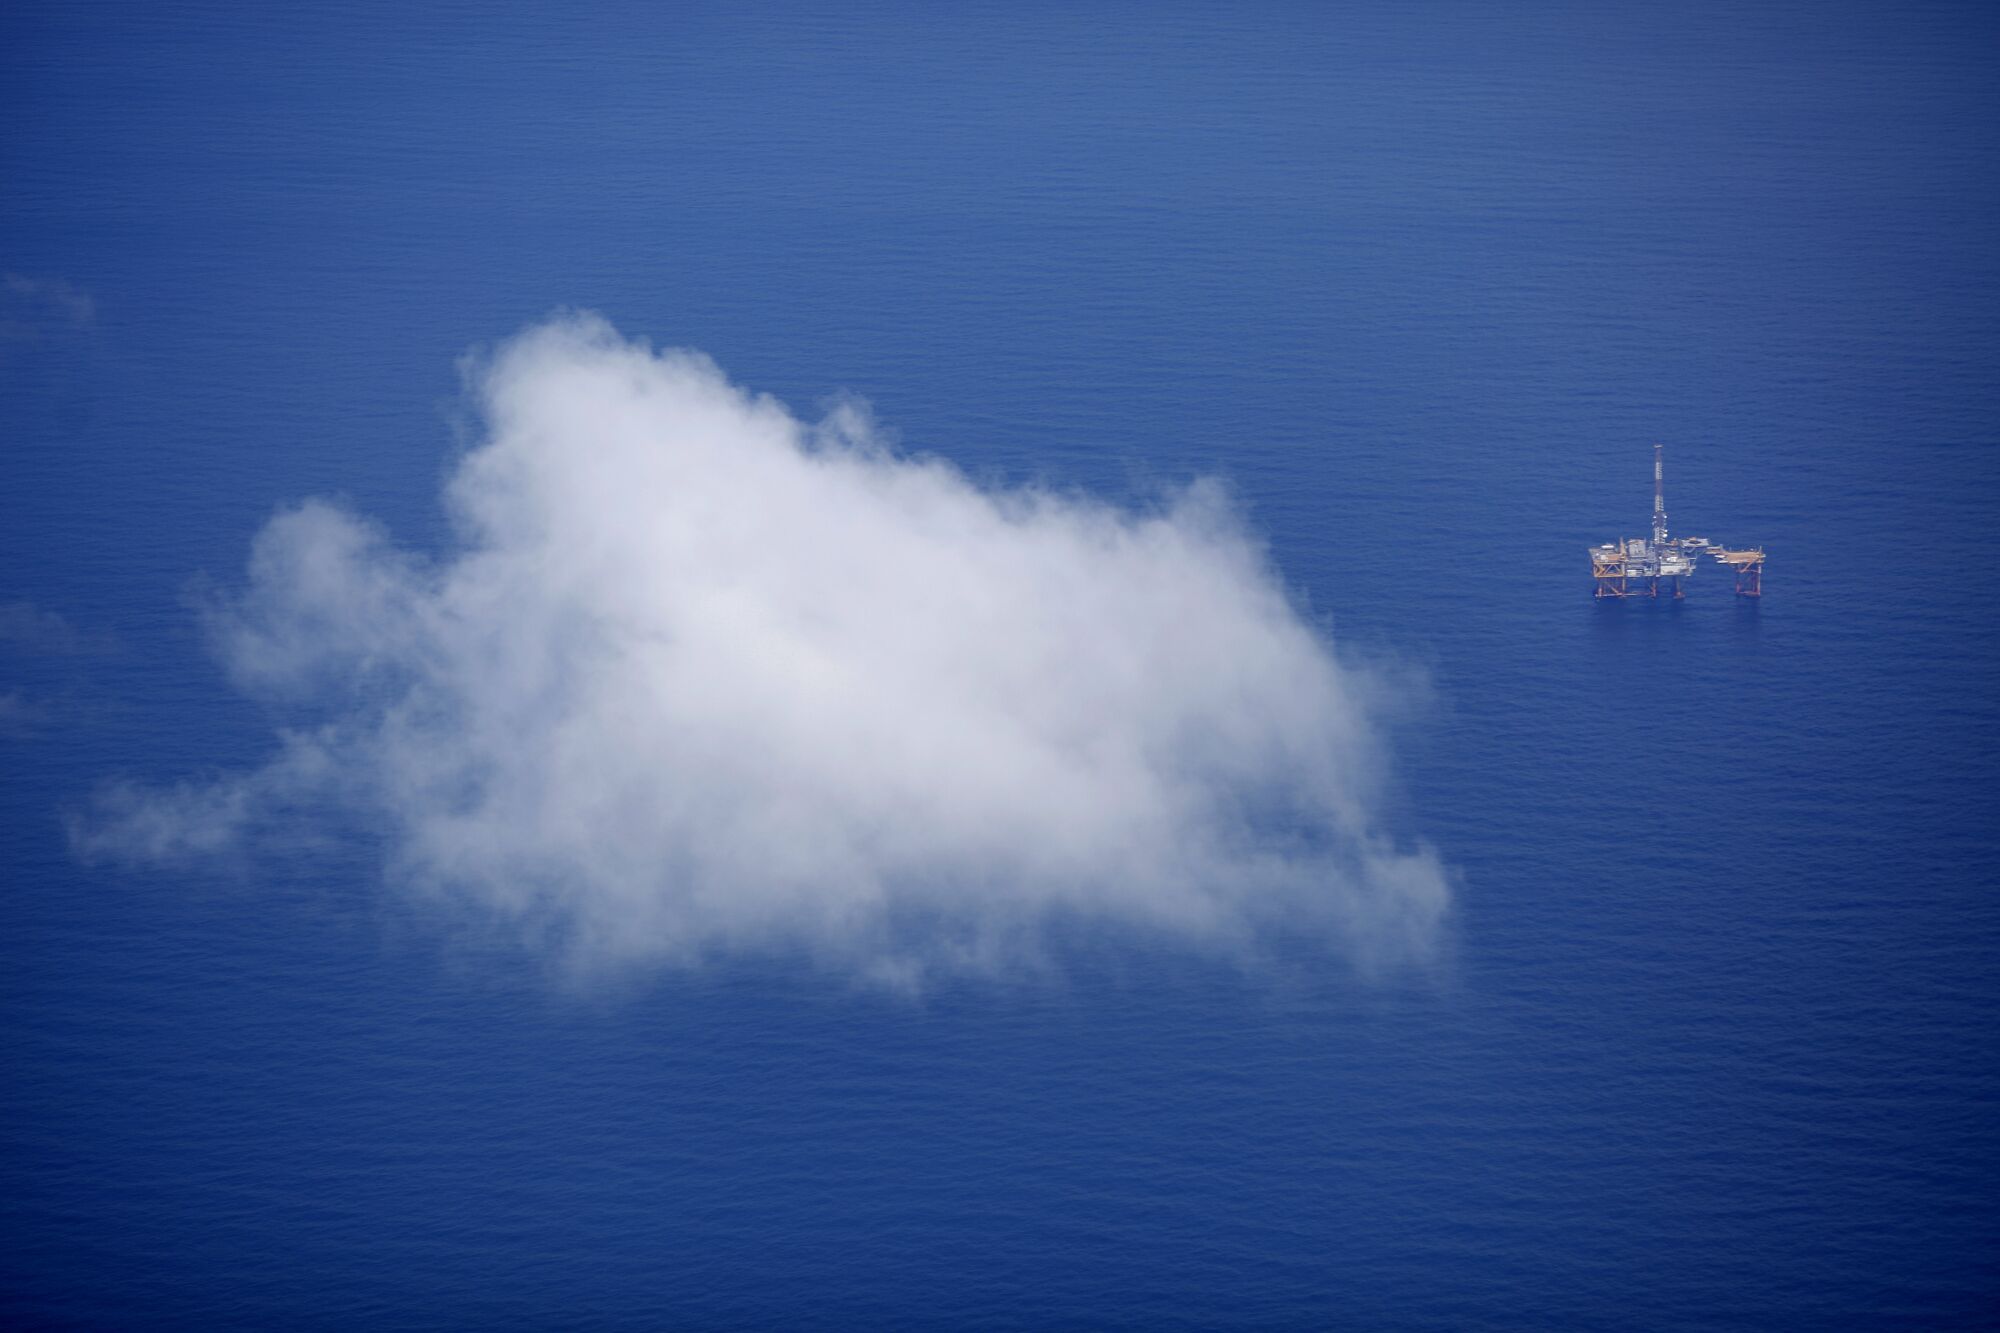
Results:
<point x="697" y="678"/>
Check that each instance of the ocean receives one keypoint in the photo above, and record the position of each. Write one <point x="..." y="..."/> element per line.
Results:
<point x="1710" y="1035"/>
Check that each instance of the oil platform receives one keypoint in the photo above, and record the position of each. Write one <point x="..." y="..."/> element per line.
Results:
<point x="1634" y="567"/>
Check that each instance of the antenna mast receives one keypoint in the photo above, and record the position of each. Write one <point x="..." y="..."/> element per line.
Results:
<point x="1659" y="502"/>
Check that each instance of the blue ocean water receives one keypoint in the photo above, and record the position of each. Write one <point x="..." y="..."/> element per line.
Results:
<point x="1713" y="1042"/>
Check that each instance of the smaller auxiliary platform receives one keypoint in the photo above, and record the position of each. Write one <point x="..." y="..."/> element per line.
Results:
<point x="1634" y="567"/>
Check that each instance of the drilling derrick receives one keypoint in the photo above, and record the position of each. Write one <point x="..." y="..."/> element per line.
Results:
<point x="1659" y="501"/>
<point x="1634" y="567"/>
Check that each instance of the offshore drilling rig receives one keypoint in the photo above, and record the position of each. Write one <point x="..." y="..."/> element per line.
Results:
<point x="1634" y="567"/>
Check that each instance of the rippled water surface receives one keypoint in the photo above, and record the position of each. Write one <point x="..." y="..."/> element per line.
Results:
<point x="1712" y="1036"/>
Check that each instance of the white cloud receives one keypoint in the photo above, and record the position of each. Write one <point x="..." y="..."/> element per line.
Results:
<point x="696" y="678"/>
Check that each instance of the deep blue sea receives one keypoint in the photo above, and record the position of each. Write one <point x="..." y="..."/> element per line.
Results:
<point x="1713" y="1039"/>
